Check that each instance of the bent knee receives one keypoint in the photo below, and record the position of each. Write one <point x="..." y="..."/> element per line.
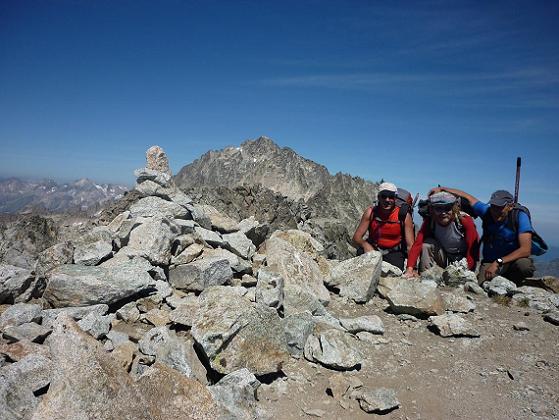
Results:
<point x="525" y="266"/>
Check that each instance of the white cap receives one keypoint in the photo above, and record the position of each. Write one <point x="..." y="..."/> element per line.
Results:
<point x="387" y="186"/>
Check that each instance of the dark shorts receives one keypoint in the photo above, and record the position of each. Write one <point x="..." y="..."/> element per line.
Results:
<point x="396" y="258"/>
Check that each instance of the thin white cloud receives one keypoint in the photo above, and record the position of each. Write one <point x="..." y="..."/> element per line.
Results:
<point x="467" y="82"/>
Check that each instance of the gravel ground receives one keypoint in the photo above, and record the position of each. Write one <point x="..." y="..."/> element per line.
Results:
<point x="504" y="374"/>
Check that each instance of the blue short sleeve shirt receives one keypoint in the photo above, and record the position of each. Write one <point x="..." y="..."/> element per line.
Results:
<point x="500" y="239"/>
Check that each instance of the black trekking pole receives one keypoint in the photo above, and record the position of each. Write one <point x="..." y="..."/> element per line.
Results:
<point x="415" y="200"/>
<point x="517" y="185"/>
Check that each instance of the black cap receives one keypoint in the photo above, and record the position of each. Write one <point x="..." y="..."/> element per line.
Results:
<point x="501" y="198"/>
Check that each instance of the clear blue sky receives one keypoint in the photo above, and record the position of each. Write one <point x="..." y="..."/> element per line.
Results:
<point x="418" y="93"/>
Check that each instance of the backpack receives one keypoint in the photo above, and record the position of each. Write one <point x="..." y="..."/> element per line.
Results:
<point x="404" y="200"/>
<point x="539" y="247"/>
<point x="423" y="208"/>
<point x="466" y="207"/>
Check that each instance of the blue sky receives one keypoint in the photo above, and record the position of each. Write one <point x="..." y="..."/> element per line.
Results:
<point x="419" y="93"/>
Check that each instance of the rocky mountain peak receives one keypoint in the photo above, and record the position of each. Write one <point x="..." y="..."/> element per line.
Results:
<point x="281" y="186"/>
<point x="261" y="144"/>
<point x="83" y="182"/>
<point x="259" y="161"/>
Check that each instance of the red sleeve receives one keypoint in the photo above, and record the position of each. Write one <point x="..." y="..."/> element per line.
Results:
<point x="472" y="241"/>
<point x="417" y="245"/>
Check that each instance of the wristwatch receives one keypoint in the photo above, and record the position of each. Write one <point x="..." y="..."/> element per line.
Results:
<point x="499" y="262"/>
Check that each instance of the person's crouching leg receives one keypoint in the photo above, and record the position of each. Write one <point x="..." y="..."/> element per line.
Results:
<point x="432" y="254"/>
<point x="518" y="270"/>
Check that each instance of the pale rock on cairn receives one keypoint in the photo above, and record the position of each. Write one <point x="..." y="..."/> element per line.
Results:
<point x="157" y="160"/>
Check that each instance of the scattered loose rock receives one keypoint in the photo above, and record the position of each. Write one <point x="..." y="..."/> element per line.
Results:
<point x="521" y="326"/>
<point x="13" y="282"/>
<point x="380" y="400"/>
<point x="28" y="331"/>
<point x="20" y="313"/>
<point x="455" y="302"/>
<point x="368" y="323"/>
<point x="552" y="317"/>
<point x="333" y="348"/>
<point x="414" y="298"/>
<point x="499" y="286"/>
<point x="451" y="325"/>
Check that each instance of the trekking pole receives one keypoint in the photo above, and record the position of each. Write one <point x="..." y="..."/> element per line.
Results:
<point x="517" y="185"/>
<point x="415" y="200"/>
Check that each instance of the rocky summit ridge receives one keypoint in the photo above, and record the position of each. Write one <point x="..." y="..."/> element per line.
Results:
<point x="172" y="309"/>
<point x="277" y="185"/>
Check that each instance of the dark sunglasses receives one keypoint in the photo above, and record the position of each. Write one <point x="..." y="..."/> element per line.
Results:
<point x="443" y="209"/>
<point x="386" y="195"/>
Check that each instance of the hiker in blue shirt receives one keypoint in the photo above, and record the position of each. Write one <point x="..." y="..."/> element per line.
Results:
<point x="506" y="250"/>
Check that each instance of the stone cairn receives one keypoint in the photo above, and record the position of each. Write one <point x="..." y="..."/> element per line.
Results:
<point x="182" y="310"/>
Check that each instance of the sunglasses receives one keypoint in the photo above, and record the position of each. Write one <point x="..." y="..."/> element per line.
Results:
<point x="443" y="209"/>
<point x="386" y="195"/>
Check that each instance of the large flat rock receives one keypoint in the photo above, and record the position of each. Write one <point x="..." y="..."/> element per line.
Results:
<point x="334" y="349"/>
<point x="415" y="298"/>
<point x="236" y="333"/>
<point x="75" y="285"/>
<point x="157" y="207"/>
<point x="153" y="239"/>
<point x="201" y="274"/>
<point x="297" y="268"/>
<point x="357" y="278"/>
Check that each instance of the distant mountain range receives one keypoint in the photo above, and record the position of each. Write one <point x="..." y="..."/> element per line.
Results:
<point x="84" y="195"/>
<point x="547" y="268"/>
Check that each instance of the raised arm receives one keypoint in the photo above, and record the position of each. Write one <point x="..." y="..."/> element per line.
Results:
<point x="471" y="199"/>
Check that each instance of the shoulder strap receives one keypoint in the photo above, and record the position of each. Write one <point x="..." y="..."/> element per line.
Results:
<point x="484" y="224"/>
<point x="403" y="212"/>
<point x="512" y="217"/>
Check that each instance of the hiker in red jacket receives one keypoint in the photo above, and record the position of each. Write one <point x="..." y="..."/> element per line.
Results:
<point x="445" y="237"/>
<point x="390" y="228"/>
